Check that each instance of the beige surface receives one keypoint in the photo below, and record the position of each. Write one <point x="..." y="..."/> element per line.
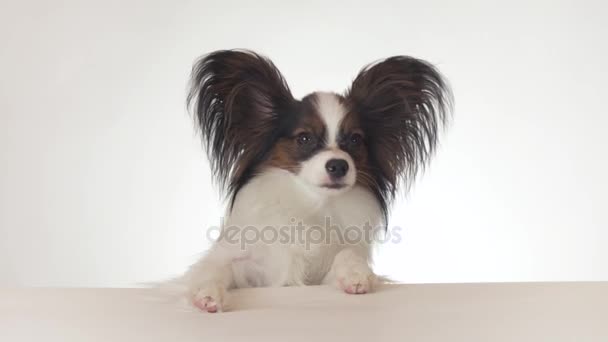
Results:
<point x="441" y="312"/>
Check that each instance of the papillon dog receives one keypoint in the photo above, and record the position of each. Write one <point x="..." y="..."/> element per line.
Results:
<point x="298" y="174"/>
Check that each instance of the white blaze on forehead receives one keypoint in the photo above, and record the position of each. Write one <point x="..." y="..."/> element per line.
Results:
<point x="331" y="111"/>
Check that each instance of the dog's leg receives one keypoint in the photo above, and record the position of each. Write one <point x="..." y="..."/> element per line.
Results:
<point x="351" y="273"/>
<point x="209" y="280"/>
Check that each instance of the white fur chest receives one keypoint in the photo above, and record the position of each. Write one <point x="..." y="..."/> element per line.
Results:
<point x="282" y="233"/>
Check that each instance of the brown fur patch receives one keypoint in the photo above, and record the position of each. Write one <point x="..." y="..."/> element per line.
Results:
<point x="350" y="125"/>
<point x="286" y="153"/>
<point x="282" y="156"/>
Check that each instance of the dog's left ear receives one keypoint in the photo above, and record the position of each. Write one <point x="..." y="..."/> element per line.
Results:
<point x="238" y="98"/>
<point x="402" y="103"/>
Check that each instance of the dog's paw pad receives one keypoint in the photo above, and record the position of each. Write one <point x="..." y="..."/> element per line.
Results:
<point x="206" y="303"/>
<point x="357" y="288"/>
<point x="208" y="300"/>
<point x="357" y="282"/>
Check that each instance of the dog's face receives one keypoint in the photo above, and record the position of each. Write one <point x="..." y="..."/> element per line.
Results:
<point x="324" y="146"/>
<point x="375" y="135"/>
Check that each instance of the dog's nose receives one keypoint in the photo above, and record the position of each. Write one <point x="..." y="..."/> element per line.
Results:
<point x="336" y="168"/>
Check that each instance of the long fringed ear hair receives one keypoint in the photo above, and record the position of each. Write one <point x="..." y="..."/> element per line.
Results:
<point x="237" y="98"/>
<point x="403" y="103"/>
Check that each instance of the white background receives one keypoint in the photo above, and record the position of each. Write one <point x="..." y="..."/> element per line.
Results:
<point x="103" y="181"/>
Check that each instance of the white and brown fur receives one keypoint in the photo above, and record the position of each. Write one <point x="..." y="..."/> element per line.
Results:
<point x="276" y="158"/>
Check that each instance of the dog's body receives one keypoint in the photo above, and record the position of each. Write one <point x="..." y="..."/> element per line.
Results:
<point x="310" y="181"/>
<point x="274" y="199"/>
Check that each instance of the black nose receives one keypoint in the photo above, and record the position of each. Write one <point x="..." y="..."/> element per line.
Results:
<point x="336" y="168"/>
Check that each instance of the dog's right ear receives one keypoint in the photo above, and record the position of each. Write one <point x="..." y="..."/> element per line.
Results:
<point x="237" y="98"/>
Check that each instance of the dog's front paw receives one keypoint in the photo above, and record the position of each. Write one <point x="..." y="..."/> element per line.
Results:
<point x="209" y="298"/>
<point x="356" y="279"/>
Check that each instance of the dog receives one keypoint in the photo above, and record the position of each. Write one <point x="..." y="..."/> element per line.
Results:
<point x="323" y="164"/>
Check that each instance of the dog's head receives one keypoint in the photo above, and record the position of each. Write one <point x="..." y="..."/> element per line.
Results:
<point x="377" y="134"/>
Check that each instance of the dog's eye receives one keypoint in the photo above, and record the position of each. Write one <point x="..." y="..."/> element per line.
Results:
<point x="304" y="138"/>
<point x="355" y="139"/>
